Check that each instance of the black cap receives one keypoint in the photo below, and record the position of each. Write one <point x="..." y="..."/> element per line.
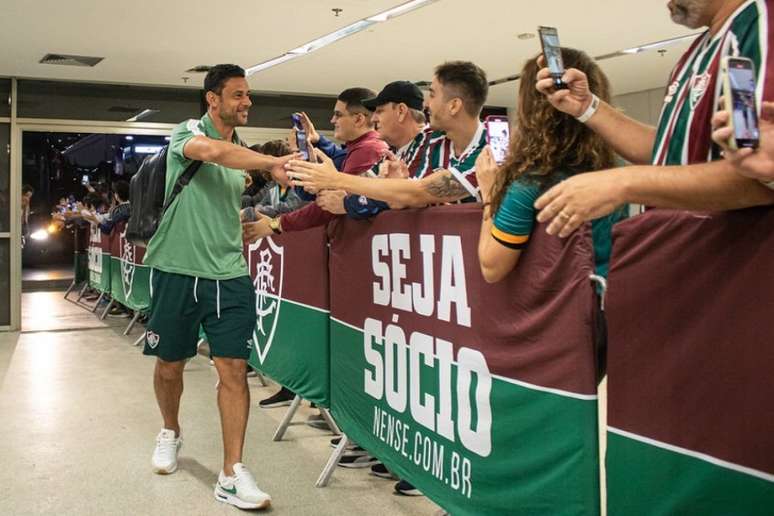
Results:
<point x="398" y="91"/>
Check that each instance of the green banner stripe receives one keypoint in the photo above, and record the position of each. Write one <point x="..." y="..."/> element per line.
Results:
<point x="648" y="480"/>
<point x="520" y="383"/>
<point x="541" y="454"/>
<point x="696" y="455"/>
<point x="298" y="356"/>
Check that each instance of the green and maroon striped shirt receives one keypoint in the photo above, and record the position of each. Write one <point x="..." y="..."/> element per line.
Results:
<point x="684" y="130"/>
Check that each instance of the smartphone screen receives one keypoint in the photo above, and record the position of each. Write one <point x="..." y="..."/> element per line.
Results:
<point x="498" y="137"/>
<point x="552" y="52"/>
<point x="85" y="180"/>
<point x="741" y="79"/>
<point x="300" y="136"/>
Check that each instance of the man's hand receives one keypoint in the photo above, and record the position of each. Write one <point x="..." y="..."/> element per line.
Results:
<point x="252" y="231"/>
<point x="579" y="199"/>
<point x="753" y="163"/>
<point x="278" y="169"/>
<point x="393" y="168"/>
<point x="486" y="172"/>
<point x="332" y="201"/>
<point x="314" y="176"/>
<point x="575" y="100"/>
<point x="312" y="136"/>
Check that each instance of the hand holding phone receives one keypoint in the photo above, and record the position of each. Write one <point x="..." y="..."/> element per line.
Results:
<point x="301" y="140"/>
<point x="739" y="97"/>
<point x="552" y="52"/>
<point x="498" y="136"/>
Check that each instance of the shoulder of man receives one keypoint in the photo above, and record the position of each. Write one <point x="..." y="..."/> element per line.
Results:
<point x="183" y="132"/>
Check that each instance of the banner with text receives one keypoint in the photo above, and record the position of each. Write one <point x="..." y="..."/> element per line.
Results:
<point x="290" y="274"/>
<point x="99" y="260"/>
<point x="691" y="364"/>
<point x="129" y="278"/>
<point x="482" y="396"/>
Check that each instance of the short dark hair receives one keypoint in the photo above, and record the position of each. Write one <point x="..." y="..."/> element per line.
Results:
<point x="219" y="74"/>
<point x="93" y="200"/>
<point x="467" y="81"/>
<point x="121" y="189"/>
<point x="27" y="189"/>
<point x="276" y="148"/>
<point x="354" y="97"/>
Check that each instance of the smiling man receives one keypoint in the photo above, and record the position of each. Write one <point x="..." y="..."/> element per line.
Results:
<point x="199" y="277"/>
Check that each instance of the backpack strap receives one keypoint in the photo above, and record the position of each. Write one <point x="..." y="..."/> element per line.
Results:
<point x="186" y="177"/>
<point x="181" y="183"/>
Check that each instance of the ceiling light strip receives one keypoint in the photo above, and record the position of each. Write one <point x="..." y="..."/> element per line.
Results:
<point x="341" y="33"/>
<point x="619" y="53"/>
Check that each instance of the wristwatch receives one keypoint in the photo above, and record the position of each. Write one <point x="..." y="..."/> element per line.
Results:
<point x="275" y="226"/>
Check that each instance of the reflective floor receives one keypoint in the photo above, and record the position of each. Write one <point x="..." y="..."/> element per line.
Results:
<point x="78" y="420"/>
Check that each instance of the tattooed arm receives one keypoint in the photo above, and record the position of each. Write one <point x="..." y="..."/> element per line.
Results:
<point x="438" y="187"/>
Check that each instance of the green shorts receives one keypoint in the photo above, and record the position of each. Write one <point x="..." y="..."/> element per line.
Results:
<point x="181" y="304"/>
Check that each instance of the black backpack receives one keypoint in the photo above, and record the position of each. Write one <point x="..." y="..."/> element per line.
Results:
<point x="146" y="196"/>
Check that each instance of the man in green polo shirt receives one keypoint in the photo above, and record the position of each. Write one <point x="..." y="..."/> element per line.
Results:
<point x="199" y="277"/>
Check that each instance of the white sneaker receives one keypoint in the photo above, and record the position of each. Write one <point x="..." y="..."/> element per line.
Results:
<point x="241" y="490"/>
<point x="165" y="455"/>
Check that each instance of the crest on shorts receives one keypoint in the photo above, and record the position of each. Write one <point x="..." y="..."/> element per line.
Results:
<point x="127" y="264"/>
<point x="152" y="338"/>
<point x="266" y="264"/>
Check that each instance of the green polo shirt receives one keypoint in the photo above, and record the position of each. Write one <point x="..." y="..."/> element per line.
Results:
<point x="200" y="234"/>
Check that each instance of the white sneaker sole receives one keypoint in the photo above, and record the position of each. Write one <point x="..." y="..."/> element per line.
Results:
<point x="165" y="471"/>
<point x="275" y="404"/>
<point x="225" y="497"/>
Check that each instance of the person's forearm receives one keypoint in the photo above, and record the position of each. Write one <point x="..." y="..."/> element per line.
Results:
<point x="631" y="139"/>
<point x="405" y="192"/>
<point x="228" y="154"/>
<point x="704" y="187"/>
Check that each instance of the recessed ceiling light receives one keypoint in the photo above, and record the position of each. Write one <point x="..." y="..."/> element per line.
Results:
<point x="526" y="35"/>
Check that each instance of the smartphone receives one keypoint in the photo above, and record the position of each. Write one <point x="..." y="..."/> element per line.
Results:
<point x="85" y="180"/>
<point x="498" y="136"/>
<point x="739" y="96"/>
<point x="552" y="52"/>
<point x="303" y="148"/>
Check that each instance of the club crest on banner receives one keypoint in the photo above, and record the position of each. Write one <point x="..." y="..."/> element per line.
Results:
<point x="95" y="249"/>
<point x="266" y="265"/>
<point x="127" y="264"/>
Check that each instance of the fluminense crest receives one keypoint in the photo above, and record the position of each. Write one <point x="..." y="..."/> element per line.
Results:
<point x="266" y="263"/>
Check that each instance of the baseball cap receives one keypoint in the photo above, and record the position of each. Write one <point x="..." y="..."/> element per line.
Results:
<point x="398" y="91"/>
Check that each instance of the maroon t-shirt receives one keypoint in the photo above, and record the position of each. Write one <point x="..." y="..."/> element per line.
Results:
<point x="362" y="154"/>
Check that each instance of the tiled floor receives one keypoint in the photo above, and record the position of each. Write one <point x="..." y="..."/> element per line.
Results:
<point x="78" y="420"/>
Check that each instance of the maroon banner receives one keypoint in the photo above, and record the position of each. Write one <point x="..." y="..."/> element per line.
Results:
<point x="121" y="248"/>
<point x="691" y="353"/>
<point x="290" y="274"/>
<point x="433" y="251"/>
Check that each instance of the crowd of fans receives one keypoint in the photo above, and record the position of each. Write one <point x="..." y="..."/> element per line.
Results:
<point x="402" y="149"/>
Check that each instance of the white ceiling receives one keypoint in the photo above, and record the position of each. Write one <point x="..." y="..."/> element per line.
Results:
<point x="153" y="42"/>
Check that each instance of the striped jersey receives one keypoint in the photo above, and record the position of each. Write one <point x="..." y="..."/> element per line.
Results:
<point x="440" y="153"/>
<point x="684" y="133"/>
